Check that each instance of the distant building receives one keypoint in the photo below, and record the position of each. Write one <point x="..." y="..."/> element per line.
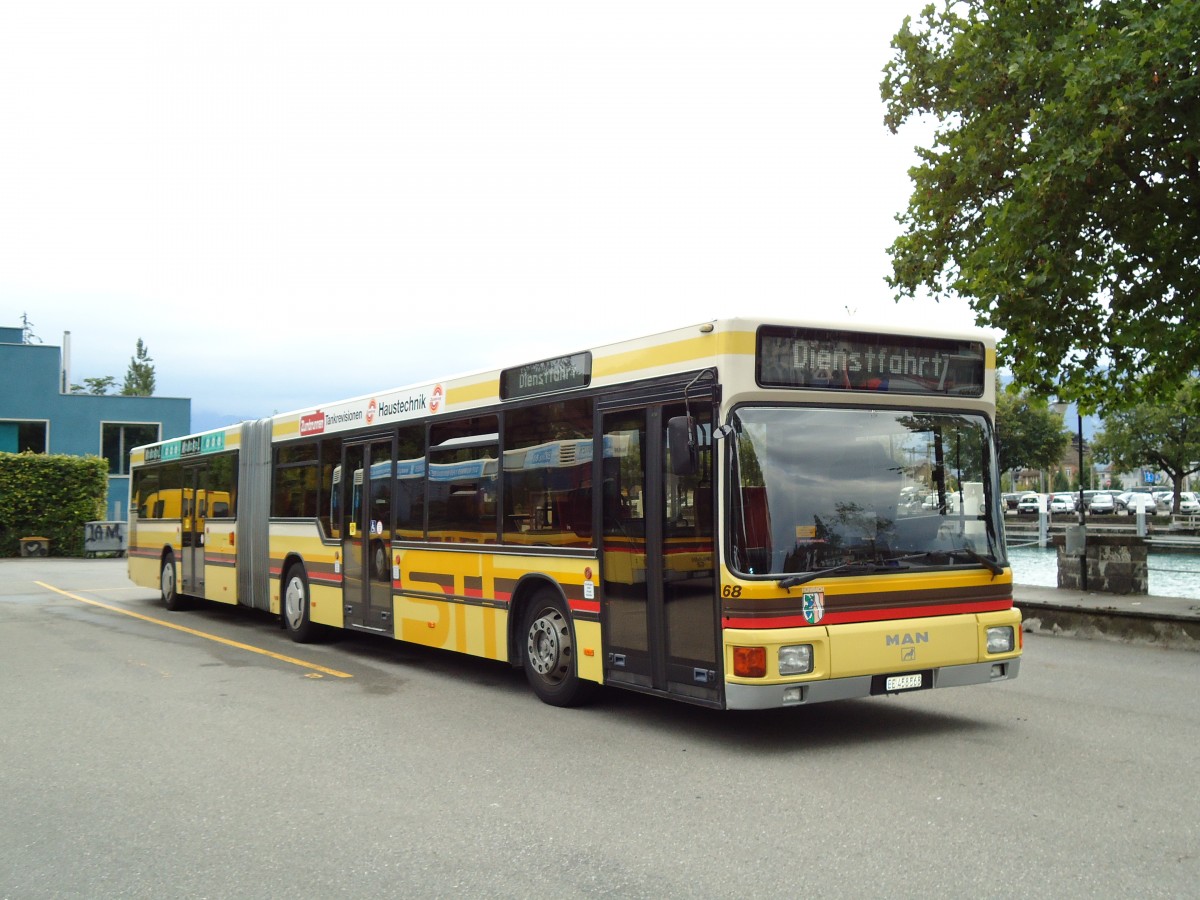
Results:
<point x="38" y="413"/>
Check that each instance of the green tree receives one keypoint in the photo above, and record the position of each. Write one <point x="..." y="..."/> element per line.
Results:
<point x="1061" y="193"/>
<point x="1162" y="436"/>
<point x="1029" y="435"/>
<point x="97" y="386"/>
<point x="139" y="378"/>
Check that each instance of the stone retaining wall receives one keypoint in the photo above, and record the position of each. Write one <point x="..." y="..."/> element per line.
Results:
<point x="1116" y="564"/>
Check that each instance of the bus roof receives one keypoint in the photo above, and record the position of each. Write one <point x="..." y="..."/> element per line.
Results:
<point x="674" y="351"/>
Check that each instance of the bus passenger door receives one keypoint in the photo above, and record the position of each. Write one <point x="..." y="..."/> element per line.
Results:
<point x="366" y="520"/>
<point x="658" y="606"/>
<point x="191" y="532"/>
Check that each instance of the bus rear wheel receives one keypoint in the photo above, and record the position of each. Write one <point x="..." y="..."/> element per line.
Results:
<point x="295" y="607"/>
<point x="168" y="585"/>
<point x="548" y="653"/>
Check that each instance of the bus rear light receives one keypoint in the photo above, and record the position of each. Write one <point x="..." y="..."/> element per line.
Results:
<point x="750" y="662"/>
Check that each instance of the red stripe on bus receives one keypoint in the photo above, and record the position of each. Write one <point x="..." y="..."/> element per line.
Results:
<point x="873" y="615"/>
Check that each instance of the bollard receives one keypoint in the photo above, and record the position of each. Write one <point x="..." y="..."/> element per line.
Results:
<point x="1043" y="528"/>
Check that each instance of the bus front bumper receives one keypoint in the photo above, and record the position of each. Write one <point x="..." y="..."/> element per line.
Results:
<point x="773" y="696"/>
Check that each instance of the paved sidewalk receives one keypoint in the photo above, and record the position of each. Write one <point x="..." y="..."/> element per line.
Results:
<point x="1172" y="622"/>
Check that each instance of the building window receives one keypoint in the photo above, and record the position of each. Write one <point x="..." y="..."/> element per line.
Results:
<point x="117" y="439"/>
<point x="22" y="437"/>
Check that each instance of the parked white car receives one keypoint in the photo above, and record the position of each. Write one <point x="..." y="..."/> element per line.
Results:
<point x="1061" y="503"/>
<point x="1029" y="504"/>
<point x="1188" y="504"/>
<point x="1134" y="501"/>
<point x="1102" y="504"/>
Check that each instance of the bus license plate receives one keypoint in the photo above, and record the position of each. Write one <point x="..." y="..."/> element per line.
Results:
<point x="904" y="682"/>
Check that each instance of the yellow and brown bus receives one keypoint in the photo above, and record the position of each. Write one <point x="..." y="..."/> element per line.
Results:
<point x="741" y="514"/>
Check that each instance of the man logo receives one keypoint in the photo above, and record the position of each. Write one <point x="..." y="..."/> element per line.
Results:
<point x="907" y="639"/>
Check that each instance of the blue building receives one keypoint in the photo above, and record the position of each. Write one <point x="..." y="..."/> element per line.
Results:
<point x="39" y="414"/>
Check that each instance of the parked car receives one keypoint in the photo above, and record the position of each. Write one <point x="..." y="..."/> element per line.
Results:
<point x="1102" y="504"/>
<point x="1009" y="501"/>
<point x="1134" y="501"/>
<point x="1189" y="505"/>
<point x="1029" y="503"/>
<point x="1061" y="503"/>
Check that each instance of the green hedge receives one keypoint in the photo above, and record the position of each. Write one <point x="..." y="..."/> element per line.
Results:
<point x="51" y="497"/>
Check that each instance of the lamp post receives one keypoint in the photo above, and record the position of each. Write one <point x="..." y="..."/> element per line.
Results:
<point x="1082" y="524"/>
<point x="1060" y="408"/>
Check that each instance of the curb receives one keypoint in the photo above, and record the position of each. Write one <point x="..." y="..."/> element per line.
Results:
<point x="1165" y="631"/>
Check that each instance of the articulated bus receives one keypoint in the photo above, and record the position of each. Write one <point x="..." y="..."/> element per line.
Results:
<point x="739" y="514"/>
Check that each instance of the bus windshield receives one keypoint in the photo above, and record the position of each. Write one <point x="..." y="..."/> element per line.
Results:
<point x="821" y="489"/>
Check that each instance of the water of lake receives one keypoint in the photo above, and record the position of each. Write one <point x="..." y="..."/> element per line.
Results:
<point x="1171" y="574"/>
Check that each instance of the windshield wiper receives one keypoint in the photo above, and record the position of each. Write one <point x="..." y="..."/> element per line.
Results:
<point x="987" y="562"/>
<point x="859" y="566"/>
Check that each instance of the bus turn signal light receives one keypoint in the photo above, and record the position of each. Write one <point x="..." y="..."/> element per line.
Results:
<point x="750" y="662"/>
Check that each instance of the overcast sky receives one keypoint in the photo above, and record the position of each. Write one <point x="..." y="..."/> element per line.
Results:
<point x="292" y="203"/>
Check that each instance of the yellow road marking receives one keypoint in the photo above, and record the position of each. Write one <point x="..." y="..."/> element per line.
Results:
<point x="202" y="634"/>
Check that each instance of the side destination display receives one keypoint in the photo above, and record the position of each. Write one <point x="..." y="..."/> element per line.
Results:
<point x="185" y="447"/>
<point x="546" y="377"/>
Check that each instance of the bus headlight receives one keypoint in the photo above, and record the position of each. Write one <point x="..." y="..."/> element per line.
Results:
<point x="796" y="659"/>
<point x="1000" y="639"/>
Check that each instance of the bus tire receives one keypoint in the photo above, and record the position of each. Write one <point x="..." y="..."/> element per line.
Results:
<point x="548" y="652"/>
<point x="169" y="584"/>
<point x="295" y="606"/>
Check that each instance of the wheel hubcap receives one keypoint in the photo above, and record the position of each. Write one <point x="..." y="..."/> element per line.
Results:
<point x="549" y="646"/>
<point x="168" y="580"/>
<point x="293" y="605"/>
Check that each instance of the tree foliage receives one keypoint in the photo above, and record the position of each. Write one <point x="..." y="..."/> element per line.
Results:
<point x="1061" y="193"/>
<point x="1163" y="436"/>
<point x="139" y="378"/>
<point x="1029" y="435"/>
<point x="98" y="386"/>
<point x="51" y="496"/>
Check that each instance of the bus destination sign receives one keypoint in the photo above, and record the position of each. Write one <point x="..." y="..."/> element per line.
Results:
<point x="196" y="445"/>
<point x="546" y="377"/>
<point x="828" y="359"/>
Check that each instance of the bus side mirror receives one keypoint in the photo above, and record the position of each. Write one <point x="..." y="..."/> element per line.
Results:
<point x="681" y="445"/>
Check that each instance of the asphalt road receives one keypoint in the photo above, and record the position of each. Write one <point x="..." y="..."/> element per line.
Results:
<point x="139" y="760"/>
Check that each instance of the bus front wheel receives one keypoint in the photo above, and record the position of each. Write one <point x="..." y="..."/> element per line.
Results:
<point x="296" y="615"/>
<point x="168" y="585"/>
<point x="548" y="653"/>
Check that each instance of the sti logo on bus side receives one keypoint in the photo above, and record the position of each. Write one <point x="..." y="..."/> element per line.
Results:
<point x="904" y="640"/>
